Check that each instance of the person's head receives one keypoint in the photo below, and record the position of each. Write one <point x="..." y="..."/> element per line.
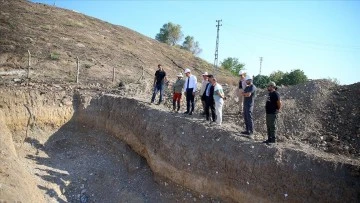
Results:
<point x="248" y="80"/>
<point x="213" y="81"/>
<point x="242" y="74"/>
<point x="205" y="76"/>
<point x="179" y="76"/>
<point x="159" y="67"/>
<point x="271" y="86"/>
<point x="187" y="72"/>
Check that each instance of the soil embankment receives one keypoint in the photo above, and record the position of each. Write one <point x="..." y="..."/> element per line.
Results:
<point x="208" y="160"/>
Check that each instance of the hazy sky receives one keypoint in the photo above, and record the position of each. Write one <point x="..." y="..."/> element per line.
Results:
<point x="320" y="37"/>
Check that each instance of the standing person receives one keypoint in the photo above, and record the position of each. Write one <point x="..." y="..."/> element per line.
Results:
<point x="242" y="85"/>
<point x="249" y="97"/>
<point x="190" y="88"/>
<point x="159" y="83"/>
<point x="209" y="100"/>
<point x="272" y="107"/>
<point x="219" y="98"/>
<point x="202" y="90"/>
<point x="177" y="92"/>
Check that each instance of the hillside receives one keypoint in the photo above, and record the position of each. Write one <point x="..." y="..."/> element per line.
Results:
<point x="55" y="37"/>
<point x="98" y="141"/>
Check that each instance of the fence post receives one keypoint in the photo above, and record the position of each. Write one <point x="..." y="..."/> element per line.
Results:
<point x="78" y="69"/>
<point x="113" y="79"/>
<point x="29" y="59"/>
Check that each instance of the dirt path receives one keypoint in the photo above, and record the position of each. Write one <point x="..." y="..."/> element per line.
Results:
<point x="80" y="164"/>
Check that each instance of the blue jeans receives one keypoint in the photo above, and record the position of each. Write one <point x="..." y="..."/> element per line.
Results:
<point x="248" y="118"/>
<point x="157" y="88"/>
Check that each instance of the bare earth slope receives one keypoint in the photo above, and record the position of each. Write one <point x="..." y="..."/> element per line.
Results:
<point x="55" y="37"/>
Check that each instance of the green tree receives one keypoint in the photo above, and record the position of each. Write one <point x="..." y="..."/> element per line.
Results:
<point x="233" y="65"/>
<point x="261" y="81"/>
<point x="277" y="77"/>
<point x="294" y="77"/>
<point x="192" y="46"/>
<point x="170" y="34"/>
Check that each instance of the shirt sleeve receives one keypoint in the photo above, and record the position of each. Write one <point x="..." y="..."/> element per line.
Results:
<point x="252" y="89"/>
<point x="276" y="96"/>
<point x="195" y="83"/>
<point x="185" y="83"/>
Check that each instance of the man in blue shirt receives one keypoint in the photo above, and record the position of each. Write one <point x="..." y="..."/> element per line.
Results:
<point x="249" y="97"/>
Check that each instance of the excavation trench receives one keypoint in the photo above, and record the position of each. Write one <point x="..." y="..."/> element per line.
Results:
<point x="81" y="147"/>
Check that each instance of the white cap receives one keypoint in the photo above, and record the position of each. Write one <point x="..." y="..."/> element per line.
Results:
<point x="179" y="75"/>
<point x="187" y="70"/>
<point x="206" y="73"/>
<point x="248" y="77"/>
<point x="241" y="72"/>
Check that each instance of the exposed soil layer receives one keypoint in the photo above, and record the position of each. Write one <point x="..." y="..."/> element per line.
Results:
<point x="79" y="147"/>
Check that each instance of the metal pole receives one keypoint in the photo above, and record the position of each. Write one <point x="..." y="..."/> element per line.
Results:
<point x="217" y="46"/>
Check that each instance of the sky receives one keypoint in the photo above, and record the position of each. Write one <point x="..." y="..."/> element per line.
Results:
<point x="322" y="38"/>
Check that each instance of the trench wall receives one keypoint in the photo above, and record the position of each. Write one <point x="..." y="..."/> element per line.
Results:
<point x="214" y="162"/>
<point x="208" y="160"/>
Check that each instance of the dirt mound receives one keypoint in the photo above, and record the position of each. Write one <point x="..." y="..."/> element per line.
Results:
<point x="318" y="113"/>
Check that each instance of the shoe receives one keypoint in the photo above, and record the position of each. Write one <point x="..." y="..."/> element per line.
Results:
<point x="269" y="142"/>
<point x="245" y="133"/>
<point x="190" y="113"/>
<point x="186" y="112"/>
<point x="251" y="136"/>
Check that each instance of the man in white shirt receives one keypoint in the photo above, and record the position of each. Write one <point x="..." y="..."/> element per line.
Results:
<point x="202" y="90"/>
<point x="190" y="88"/>
<point x="219" y="97"/>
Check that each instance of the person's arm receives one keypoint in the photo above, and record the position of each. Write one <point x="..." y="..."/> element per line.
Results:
<point x="278" y="103"/>
<point x="154" y="80"/>
<point x="249" y="92"/>
<point x="195" y="85"/>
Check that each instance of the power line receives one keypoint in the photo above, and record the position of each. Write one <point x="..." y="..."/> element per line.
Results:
<point x="217" y="46"/>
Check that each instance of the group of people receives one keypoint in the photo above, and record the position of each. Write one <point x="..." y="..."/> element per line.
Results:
<point x="212" y="97"/>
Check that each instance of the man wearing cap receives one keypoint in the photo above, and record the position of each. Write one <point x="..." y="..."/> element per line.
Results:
<point x="177" y="92"/>
<point x="202" y="90"/>
<point x="190" y="88"/>
<point x="242" y="85"/>
<point x="159" y="83"/>
<point x="272" y="107"/>
<point x="249" y="97"/>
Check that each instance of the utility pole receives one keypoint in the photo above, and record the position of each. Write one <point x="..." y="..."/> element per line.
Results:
<point x="217" y="46"/>
<point x="261" y="59"/>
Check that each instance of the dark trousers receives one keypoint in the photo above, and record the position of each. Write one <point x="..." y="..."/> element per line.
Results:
<point x="249" y="124"/>
<point x="271" y="120"/>
<point x="210" y="105"/>
<point x="190" y="99"/>
<point x="158" y="88"/>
